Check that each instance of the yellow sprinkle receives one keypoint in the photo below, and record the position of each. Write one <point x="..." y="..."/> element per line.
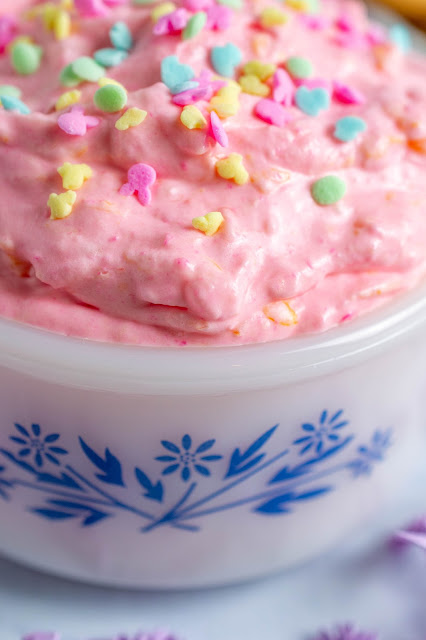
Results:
<point x="61" y="24"/>
<point x="281" y="312"/>
<point x="74" y="175"/>
<point x="262" y="70"/>
<point x="251" y="84"/>
<point x="208" y="224"/>
<point x="61" y="205"/>
<point x="192" y="118"/>
<point x="67" y="99"/>
<point x="232" y="168"/>
<point x="68" y="5"/>
<point x="272" y="17"/>
<point x="231" y="90"/>
<point x="224" y="107"/>
<point x="162" y="10"/>
<point x="299" y="5"/>
<point x="104" y="81"/>
<point x="131" y="118"/>
<point x="48" y="12"/>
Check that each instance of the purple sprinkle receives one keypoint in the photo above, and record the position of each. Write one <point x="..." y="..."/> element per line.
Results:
<point x="217" y="131"/>
<point x="345" y="632"/>
<point x="42" y="635"/>
<point x="415" y="534"/>
<point x="219" y="17"/>
<point x="171" y="23"/>
<point x="8" y="27"/>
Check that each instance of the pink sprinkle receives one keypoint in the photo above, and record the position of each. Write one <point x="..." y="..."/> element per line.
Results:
<point x="376" y="34"/>
<point x="316" y="23"/>
<point x="75" y="123"/>
<point x="344" y="23"/>
<point x="216" y="130"/>
<point x="140" y="179"/>
<point x="197" y="5"/>
<point x="114" y="3"/>
<point x="90" y="8"/>
<point x="219" y="17"/>
<point x="351" y="40"/>
<point x="173" y="22"/>
<point x="8" y="28"/>
<point x="272" y="112"/>
<point x="205" y="90"/>
<point x="347" y="95"/>
<point x="283" y="88"/>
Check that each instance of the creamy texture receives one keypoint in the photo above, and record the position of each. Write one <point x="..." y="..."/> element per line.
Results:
<point x="280" y="264"/>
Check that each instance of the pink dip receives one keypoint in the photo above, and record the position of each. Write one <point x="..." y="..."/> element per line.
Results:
<point x="280" y="264"/>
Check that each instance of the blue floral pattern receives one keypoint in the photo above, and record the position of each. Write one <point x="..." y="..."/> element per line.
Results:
<point x="308" y="469"/>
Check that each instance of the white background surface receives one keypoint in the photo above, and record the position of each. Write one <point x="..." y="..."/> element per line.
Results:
<point x="375" y="587"/>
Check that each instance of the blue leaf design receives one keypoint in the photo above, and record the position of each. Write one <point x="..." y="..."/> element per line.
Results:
<point x="64" y="480"/>
<point x="308" y="427"/>
<point x="24" y="452"/>
<point x="153" y="491"/>
<point x="53" y="437"/>
<point x="170" y="469"/>
<point x="280" y="504"/>
<point x="186" y="474"/>
<point x="36" y="430"/>
<point x="166" y="458"/>
<point x="18" y="440"/>
<point x="53" y="514"/>
<point x="94" y="515"/>
<point x="22" y="430"/>
<point x="19" y="463"/>
<point x="211" y="458"/>
<point x="52" y="459"/>
<point x="202" y="470"/>
<point x="205" y="446"/>
<point x="186" y="442"/>
<point x="170" y="446"/>
<point x="110" y="465"/>
<point x="240" y="462"/>
<point x="58" y="450"/>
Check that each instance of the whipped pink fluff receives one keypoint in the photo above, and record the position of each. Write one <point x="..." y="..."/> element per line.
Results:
<point x="280" y="264"/>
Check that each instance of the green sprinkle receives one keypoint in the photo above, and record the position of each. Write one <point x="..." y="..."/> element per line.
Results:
<point x="300" y="68"/>
<point x="234" y="4"/>
<point x="328" y="190"/>
<point x="68" y="78"/>
<point x="195" y="24"/>
<point x="10" y="90"/>
<point x="26" y="58"/>
<point x="110" y="98"/>
<point x="87" y="69"/>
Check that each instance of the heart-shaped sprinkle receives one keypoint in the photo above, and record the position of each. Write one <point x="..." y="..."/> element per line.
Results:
<point x="131" y="118"/>
<point x="218" y="17"/>
<point x="109" y="57"/>
<point x="61" y="205"/>
<point x="232" y="168"/>
<point x="348" y="128"/>
<point x="312" y="101"/>
<point x="208" y="224"/>
<point x="67" y="99"/>
<point x="263" y="70"/>
<point x="347" y="95"/>
<point x="225" y="102"/>
<point x="225" y="59"/>
<point x="74" y="175"/>
<point x="252" y="85"/>
<point x="272" y="112"/>
<point x="140" y="179"/>
<point x="75" y="123"/>
<point x="283" y="88"/>
<point x="299" y="68"/>
<point x="173" y="22"/>
<point x="175" y="75"/>
<point x="192" y="118"/>
<point x="328" y="190"/>
<point x="120" y="36"/>
<point x="10" y="103"/>
<point x="217" y="131"/>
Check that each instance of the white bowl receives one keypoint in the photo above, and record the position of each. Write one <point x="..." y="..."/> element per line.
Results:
<point x="182" y="467"/>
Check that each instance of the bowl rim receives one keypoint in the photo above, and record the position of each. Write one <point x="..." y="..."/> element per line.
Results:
<point x="133" y="369"/>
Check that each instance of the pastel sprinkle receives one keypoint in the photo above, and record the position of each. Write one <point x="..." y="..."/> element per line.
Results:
<point x="140" y="179"/>
<point x="195" y="25"/>
<point x="328" y="190"/>
<point x="197" y="5"/>
<point x="61" y="25"/>
<point x="234" y="4"/>
<point x="208" y="224"/>
<point x="173" y="22"/>
<point x="263" y="70"/>
<point x="162" y="10"/>
<point x="192" y="118"/>
<point x="8" y="27"/>
<point x="175" y="75"/>
<point x="10" y="90"/>
<point x="272" y="17"/>
<point x="400" y="36"/>
<point x="110" y="98"/>
<point x="219" y="17"/>
<point x="26" y="58"/>
<point x="252" y="85"/>
<point x="226" y="103"/>
<point x="312" y="101"/>
<point x="42" y="635"/>
<point x="67" y="99"/>
<point x="10" y="103"/>
<point x="90" y="8"/>
<point x="281" y="312"/>
<point x="68" y="78"/>
<point x="232" y="168"/>
<point x="110" y="57"/>
<point x="74" y="175"/>
<point x="217" y="130"/>
<point x="120" y="36"/>
<point x="224" y="59"/>
<point x="272" y="112"/>
<point x="76" y="123"/>
<point x="88" y="69"/>
<point x="61" y="205"/>
<point x="102" y="82"/>
<point x="299" y="68"/>
<point x="131" y="118"/>
<point x="283" y="89"/>
<point x="349" y="127"/>
<point x="347" y="95"/>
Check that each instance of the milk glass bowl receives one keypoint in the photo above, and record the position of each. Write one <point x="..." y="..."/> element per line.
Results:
<point x="167" y="468"/>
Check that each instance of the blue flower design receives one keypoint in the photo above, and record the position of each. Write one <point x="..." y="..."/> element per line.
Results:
<point x="33" y="444"/>
<point x="326" y="432"/>
<point x="186" y="460"/>
<point x="3" y="483"/>
<point x="369" y="455"/>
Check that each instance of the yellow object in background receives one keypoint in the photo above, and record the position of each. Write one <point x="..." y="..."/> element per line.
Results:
<point x="414" y="9"/>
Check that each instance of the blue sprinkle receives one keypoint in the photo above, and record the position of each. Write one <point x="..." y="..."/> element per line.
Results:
<point x="110" y="57"/>
<point x="312" y="101"/>
<point x="120" y="36"/>
<point x="349" y="127"/>
<point x="225" y="59"/>
<point x="10" y="103"/>
<point x="400" y="35"/>
<point x="185" y="86"/>
<point x="176" y="76"/>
